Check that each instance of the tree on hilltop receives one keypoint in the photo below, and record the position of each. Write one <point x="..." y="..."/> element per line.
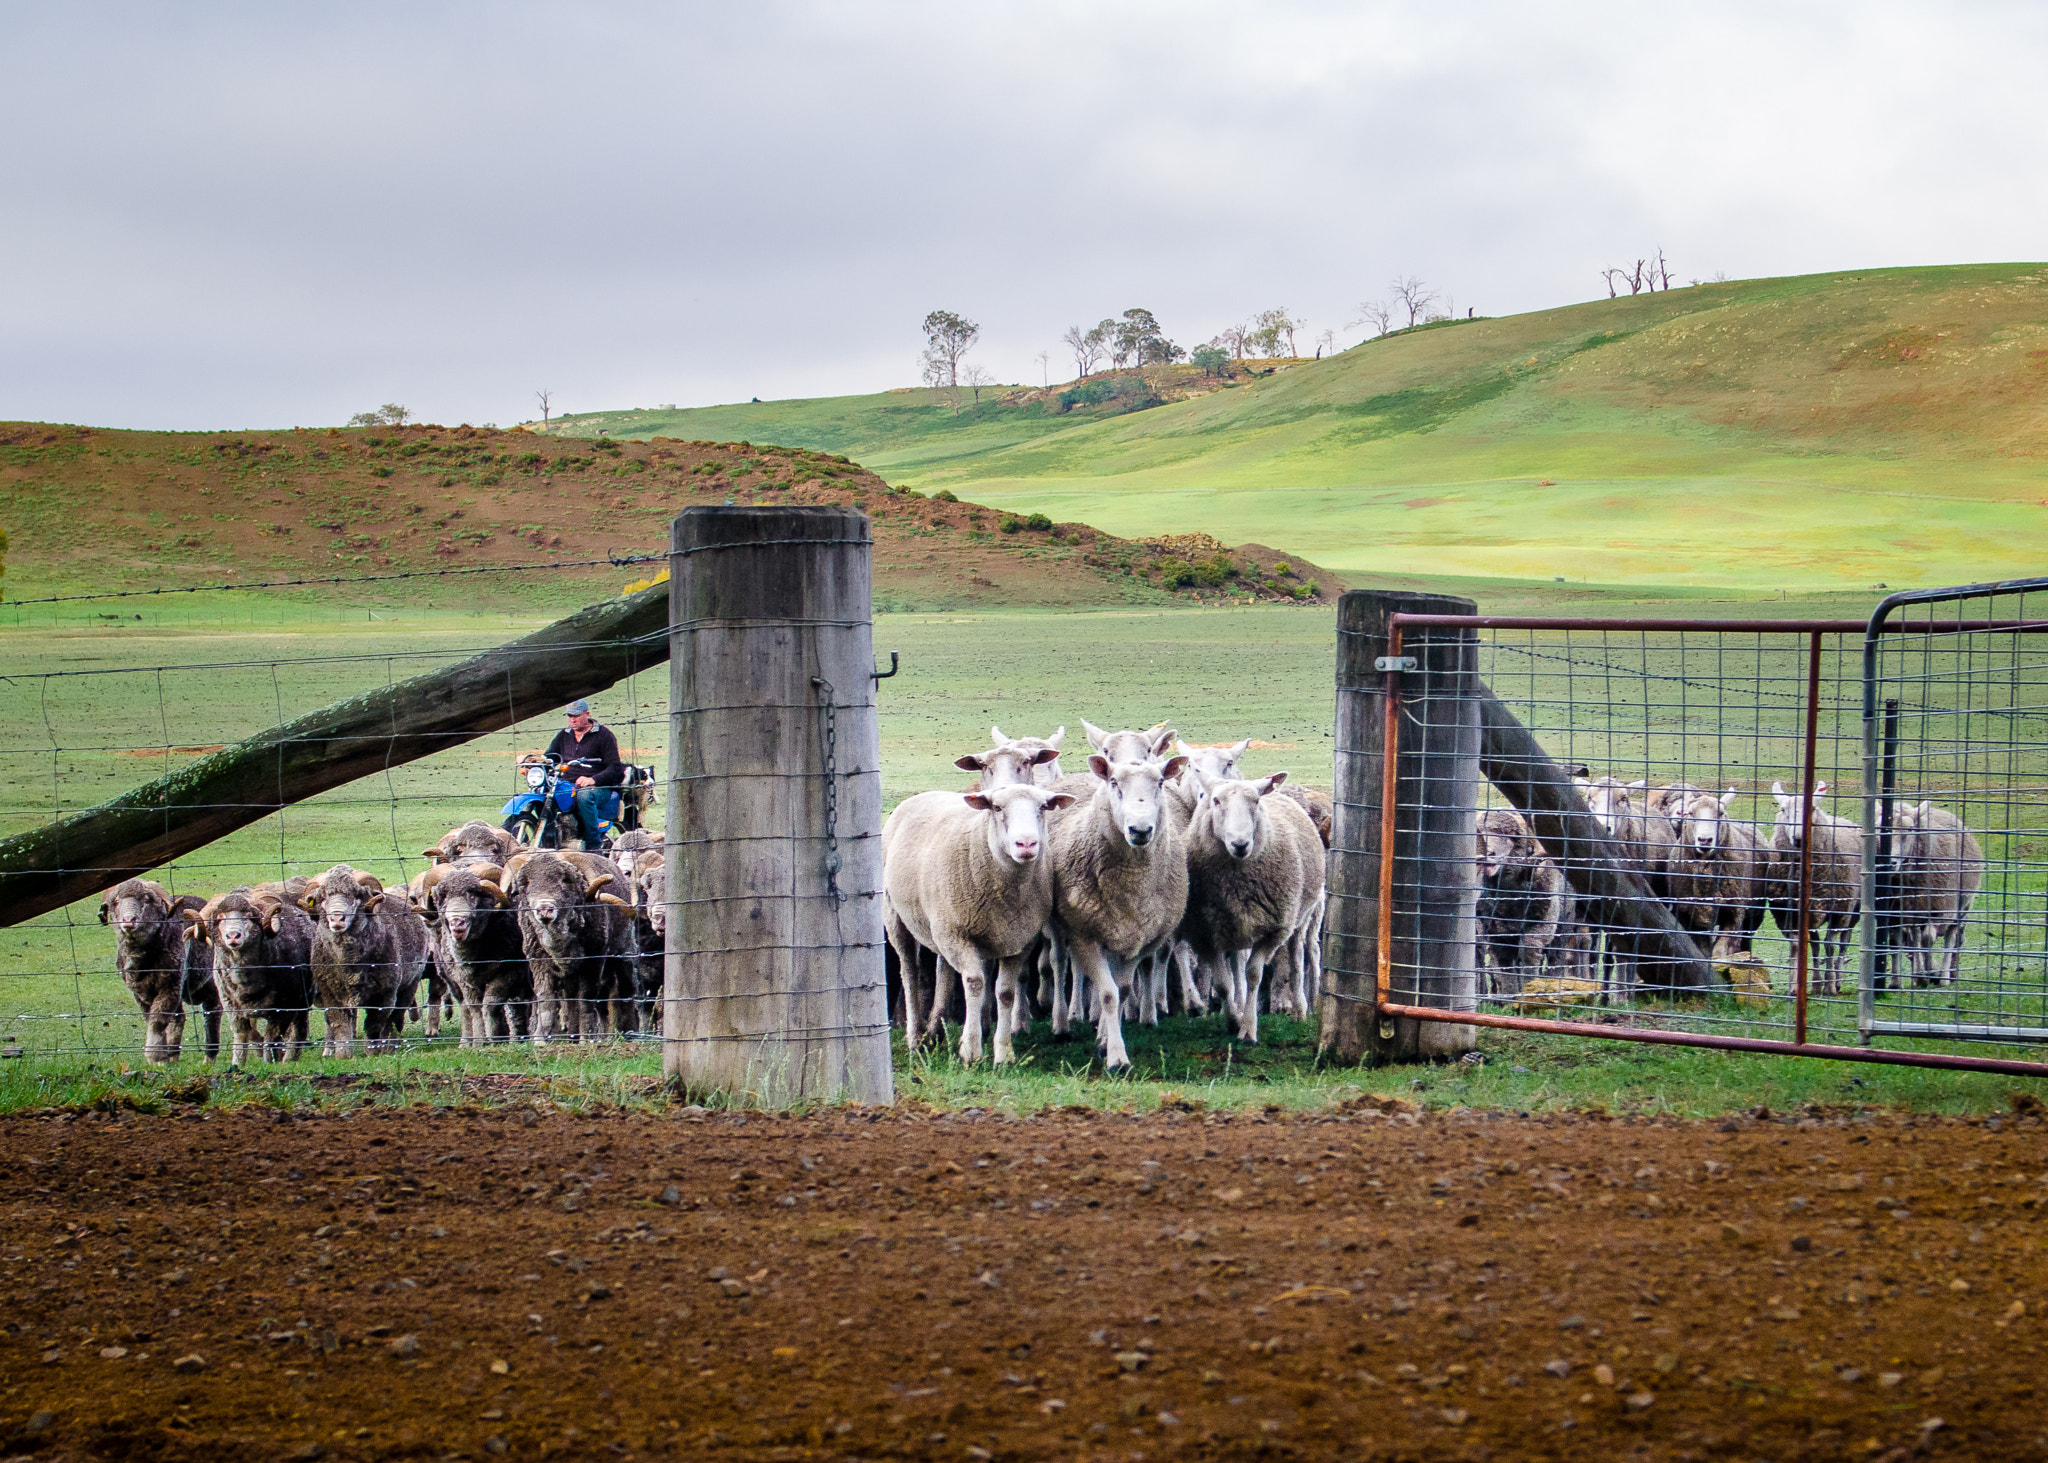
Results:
<point x="1376" y="313"/>
<point x="948" y="337"/>
<point x="1086" y="346"/>
<point x="1270" y="330"/>
<point x="1412" y="295"/>
<point x="1140" y="340"/>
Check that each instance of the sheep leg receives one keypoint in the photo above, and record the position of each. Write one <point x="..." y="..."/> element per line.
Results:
<point x="1952" y="944"/>
<point x="211" y="1013"/>
<point x="1184" y="966"/>
<point x="1009" y="1005"/>
<point x="341" y="1031"/>
<point x="908" y="958"/>
<point x="433" y="1017"/>
<point x="1093" y="964"/>
<point x="243" y="1032"/>
<point x="1249" y="980"/>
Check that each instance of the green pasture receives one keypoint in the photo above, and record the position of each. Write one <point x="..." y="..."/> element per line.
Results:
<point x="1829" y="431"/>
<point x="91" y="709"/>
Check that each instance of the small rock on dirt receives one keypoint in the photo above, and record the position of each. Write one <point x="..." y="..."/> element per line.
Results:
<point x="188" y="1364"/>
<point x="407" y="1345"/>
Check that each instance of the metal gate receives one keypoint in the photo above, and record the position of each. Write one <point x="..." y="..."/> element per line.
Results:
<point x="1955" y="816"/>
<point x="1863" y="767"/>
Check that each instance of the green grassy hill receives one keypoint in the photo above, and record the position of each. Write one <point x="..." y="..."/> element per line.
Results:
<point x="1833" y="430"/>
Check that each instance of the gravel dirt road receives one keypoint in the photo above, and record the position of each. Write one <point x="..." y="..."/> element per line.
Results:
<point x="867" y="1284"/>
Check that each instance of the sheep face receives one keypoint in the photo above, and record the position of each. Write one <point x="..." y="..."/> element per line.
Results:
<point x="339" y="898"/>
<point x="134" y="909"/>
<point x="1129" y="746"/>
<point x="1500" y="845"/>
<point x="1698" y="820"/>
<point x="463" y="903"/>
<point x="1607" y="800"/>
<point x="1016" y="826"/>
<point x="1216" y="764"/>
<point x="1015" y="760"/>
<point x="236" y="928"/>
<point x="1134" y="792"/>
<point x="1234" y="812"/>
<point x="1792" y="818"/>
<point x="652" y="880"/>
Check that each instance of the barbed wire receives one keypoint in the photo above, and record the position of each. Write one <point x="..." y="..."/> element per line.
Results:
<point x="616" y="561"/>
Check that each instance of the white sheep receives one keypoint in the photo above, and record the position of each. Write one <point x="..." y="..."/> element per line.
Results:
<point x="1940" y="870"/>
<point x="1837" y="864"/>
<point x="965" y="875"/>
<point x="1255" y="876"/>
<point x="1035" y="760"/>
<point x="1120" y="881"/>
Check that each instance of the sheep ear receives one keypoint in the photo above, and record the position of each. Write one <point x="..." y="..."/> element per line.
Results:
<point x="596" y="884"/>
<point x="997" y="733"/>
<point x="310" y="900"/>
<point x="1777" y="789"/>
<point x="1097" y="737"/>
<point x="1640" y="782"/>
<point x="977" y="800"/>
<point x="433" y="853"/>
<point x="1267" y="784"/>
<point x="613" y="899"/>
<point x="1200" y="781"/>
<point x="1927" y="810"/>
<point x="1057" y="737"/>
<point x="1819" y="788"/>
<point x="1173" y="768"/>
<point x="972" y="762"/>
<point x="1045" y="755"/>
<point x="1579" y="779"/>
<point x="1238" y="749"/>
<point x="106" y="901"/>
<point x="1058" y="800"/>
<point x="1159" y="737"/>
<point x="273" y="924"/>
<point x="1097" y="763"/>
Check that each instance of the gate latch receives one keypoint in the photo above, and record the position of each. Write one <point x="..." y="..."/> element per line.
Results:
<point x="1395" y="663"/>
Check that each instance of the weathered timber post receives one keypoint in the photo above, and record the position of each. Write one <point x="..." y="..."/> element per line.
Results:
<point x="1434" y="908"/>
<point x="773" y="980"/>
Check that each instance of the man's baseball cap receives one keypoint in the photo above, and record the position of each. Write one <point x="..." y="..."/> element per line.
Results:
<point x="577" y="708"/>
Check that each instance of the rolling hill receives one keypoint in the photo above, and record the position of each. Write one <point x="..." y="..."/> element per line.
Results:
<point x="91" y="510"/>
<point x="1826" y="431"/>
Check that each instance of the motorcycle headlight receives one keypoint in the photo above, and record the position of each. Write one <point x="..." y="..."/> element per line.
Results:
<point x="535" y="776"/>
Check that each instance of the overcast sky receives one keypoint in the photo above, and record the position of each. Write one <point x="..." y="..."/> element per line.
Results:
<point x="223" y="215"/>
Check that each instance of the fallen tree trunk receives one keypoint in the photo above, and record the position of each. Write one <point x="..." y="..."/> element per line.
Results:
<point x="1594" y="865"/>
<point x="94" y="850"/>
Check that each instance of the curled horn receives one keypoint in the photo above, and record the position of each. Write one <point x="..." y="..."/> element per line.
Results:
<point x="613" y="899"/>
<point x="598" y="883"/>
<point x="499" y="896"/>
<point x="370" y="882"/>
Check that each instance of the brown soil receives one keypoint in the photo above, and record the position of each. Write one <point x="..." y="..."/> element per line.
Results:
<point x="124" y="509"/>
<point x="876" y="1284"/>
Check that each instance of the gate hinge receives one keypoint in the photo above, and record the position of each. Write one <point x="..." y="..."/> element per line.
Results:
<point x="1394" y="663"/>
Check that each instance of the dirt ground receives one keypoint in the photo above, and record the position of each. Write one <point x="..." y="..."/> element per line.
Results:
<point x="869" y="1284"/>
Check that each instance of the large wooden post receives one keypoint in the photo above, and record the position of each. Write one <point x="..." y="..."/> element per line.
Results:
<point x="774" y="988"/>
<point x="1435" y="885"/>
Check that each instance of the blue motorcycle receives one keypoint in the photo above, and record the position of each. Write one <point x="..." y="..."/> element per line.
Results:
<point x="544" y="815"/>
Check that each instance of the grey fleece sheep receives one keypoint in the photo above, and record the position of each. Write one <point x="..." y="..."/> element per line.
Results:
<point x="579" y="940"/>
<point x="158" y="966"/>
<point x="1837" y="864"/>
<point x="1717" y="875"/>
<point x="368" y="955"/>
<point x="475" y="842"/>
<point x="262" y="951"/>
<point x="1940" y="869"/>
<point x="479" y="953"/>
<point x="1255" y="879"/>
<point x="1647" y="838"/>
<point x="1523" y="901"/>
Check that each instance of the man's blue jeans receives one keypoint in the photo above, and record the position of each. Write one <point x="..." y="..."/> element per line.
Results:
<point x="596" y="806"/>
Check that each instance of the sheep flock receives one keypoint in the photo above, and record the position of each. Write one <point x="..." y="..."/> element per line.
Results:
<point x="1157" y="883"/>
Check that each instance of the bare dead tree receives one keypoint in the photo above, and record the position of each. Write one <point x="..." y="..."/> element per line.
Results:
<point x="1236" y="339"/>
<point x="1660" y="271"/>
<point x="974" y="377"/>
<point x="1086" y="346"/>
<point x="1412" y="295"/>
<point x="1613" y="277"/>
<point x="546" y="398"/>
<point x="1376" y="313"/>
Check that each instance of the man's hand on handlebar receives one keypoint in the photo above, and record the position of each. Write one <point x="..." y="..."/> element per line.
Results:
<point x="586" y="782"/>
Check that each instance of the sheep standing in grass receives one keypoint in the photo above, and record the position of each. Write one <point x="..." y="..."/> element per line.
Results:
<point x="1717" y="876"/>
<point x="1940" y="871"/>
<point x="1837" y="864"/>
<point x="1120" y="881"/>
<point x="578" y="937"/>
<point x="367" y="958"/>
<point x="1255" y="879"/>
<point x="648" y="886"/>
<point x="1523" y="902"/>
<point x="1647" y="839"/>
<point x="966" y="876"/>
<point x="479" y="953"/>
<point x="158" y="967"/>
<point x="262" y="949"/>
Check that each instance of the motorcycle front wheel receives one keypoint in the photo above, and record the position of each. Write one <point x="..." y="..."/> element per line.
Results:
<point x="527" y="828"/>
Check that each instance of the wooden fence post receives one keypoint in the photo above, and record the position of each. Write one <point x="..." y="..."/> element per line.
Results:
<point x="1435" y="889"/>
<point x="774" y="987"/>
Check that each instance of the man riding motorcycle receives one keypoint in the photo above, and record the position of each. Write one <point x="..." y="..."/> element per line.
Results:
<point x="591" y="752"/>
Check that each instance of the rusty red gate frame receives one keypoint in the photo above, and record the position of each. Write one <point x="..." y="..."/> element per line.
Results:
<point x="1799" y="1046"/>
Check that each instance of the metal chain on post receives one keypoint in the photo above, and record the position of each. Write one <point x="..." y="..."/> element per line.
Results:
<point x="831" y="757"/>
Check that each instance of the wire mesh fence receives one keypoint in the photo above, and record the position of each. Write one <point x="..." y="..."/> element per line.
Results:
<point x="88" y="719"/>
<point x="1725" y="766"/>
